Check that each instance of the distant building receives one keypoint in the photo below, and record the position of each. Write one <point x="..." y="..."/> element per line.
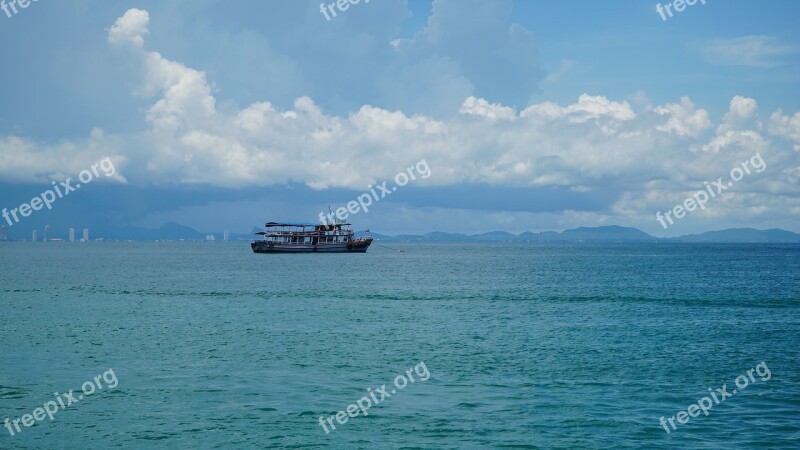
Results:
<point x="3" y="233"/>
<point x="34" y="236"/>
<point x="226" y="234"/>
<point x="46" y="230"/>
<point x="210" y="237"/>
<point x="72" y="234"/>
<point x="85" y="235"/>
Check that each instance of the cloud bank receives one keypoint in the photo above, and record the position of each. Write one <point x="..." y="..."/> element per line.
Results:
<point x="652" y="156"/>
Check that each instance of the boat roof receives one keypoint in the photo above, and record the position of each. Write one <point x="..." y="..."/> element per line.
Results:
<point x="280" y="224"/>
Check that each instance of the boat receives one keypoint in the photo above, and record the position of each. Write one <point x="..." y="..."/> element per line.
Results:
<point x="309" y="238"/>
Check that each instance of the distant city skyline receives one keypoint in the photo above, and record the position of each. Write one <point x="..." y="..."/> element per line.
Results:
<point x="51" y="233"/>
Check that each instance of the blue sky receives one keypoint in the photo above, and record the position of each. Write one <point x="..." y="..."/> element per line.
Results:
<point x="531" y="115"/>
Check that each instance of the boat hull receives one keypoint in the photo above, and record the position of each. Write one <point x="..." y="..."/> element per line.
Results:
<point x="267" y="247"/>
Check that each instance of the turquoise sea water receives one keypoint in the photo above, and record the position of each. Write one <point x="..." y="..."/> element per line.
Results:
<point x="527" y="346"/>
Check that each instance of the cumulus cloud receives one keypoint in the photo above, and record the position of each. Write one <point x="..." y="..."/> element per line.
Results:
<point x="787" y="127"/>
<point x="130" y="28"/>
<point x="588" y="143"/>
<point x="26" y="161"/>
<point x="747" y="139"/>
<point x="740" y="112"/>
<point x="588" y="108"/>
<point x="683" y="118"/>
<point x="480" y="107"/>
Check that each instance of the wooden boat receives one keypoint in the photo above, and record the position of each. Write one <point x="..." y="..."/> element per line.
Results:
<point x="309" y="238"/>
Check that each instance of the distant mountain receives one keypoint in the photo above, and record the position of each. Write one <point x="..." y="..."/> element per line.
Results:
<point x="436" y="236"/>
<point x="495" y="236"/>
<point x="174" y="232"/>
<point x="527" y="237"/>
<point x="613" y="233"/>
<point x="743" y="235"/>
<point x="582" y="234"/>
<point x="169" y="231"/>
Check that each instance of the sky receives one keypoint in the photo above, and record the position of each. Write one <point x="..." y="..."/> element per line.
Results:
<point x="524" y="115"/>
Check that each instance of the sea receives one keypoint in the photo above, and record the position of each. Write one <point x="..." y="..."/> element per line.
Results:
<point x="179" y="345"/>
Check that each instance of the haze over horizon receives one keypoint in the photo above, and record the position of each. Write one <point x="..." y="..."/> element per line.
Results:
<point x="219" y="119"/>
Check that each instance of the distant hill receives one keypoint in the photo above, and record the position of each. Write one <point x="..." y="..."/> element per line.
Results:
<point x="169" y="231"/>
<point x="613" y="233"/>
<point x="495" y="236"/>
<point x="610" y="234"/>
<point x="436" y="236"/>
<point x="527" y="237"/>
<point x="743" y="235"/>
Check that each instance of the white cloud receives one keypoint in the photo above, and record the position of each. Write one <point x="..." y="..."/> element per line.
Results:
<point x="787" y="127"/>
<point x="186" y="98"/>
<point x="748" y="139"/>
<point x="684" y="119"/>
<point x="588" y="108"/>
<point x="593" y="143"/>
<point x="25" y="161"/>
<point x="740" y="112"/>
<point x="480" y="107"/>
<point x="130" y="28"/>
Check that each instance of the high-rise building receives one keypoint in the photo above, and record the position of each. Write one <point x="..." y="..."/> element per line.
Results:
<point x="85" y="235"/>
<point x="46" y="229"/>
<point x="226" y="234"/>
<point x="3" y="233"/>
<point x="34" y="236"/>
<point x="72" y="234"/>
